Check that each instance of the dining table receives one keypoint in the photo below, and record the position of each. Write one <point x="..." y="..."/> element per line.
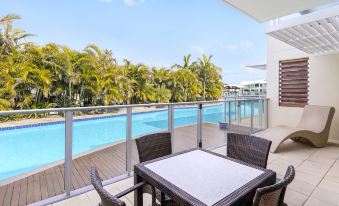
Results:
<point x="202" y="177"/>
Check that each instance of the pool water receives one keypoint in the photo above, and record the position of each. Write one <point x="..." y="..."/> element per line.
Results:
<point x="25" y="149"/>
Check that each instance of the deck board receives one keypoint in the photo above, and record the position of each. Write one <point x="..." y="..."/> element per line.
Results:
<point x="16" y="193"/>
<point x="23" y="192"/>
<point x="2" y="194"/>
<point x="110" y="161"/>
<point x="50" y="187"/>
<point x="8" y="194"/>
<point x="30" y="191"/>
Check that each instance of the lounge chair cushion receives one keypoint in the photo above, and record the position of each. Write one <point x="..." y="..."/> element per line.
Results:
<point x="314" y="126"/>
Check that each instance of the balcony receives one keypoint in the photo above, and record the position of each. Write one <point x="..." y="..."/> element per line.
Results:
<point x="79" y="138"/>
<point x="316" y="181"/>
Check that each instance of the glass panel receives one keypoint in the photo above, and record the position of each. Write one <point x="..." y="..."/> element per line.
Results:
<point x="31" y="157"/>
<point x="147" y="120"/>
<point x="214" y="129"/>
<point x="185" y="124"/>
<point x="244" y="119"/>
<point x="99" y="139"/>
<point x="258" y="116"/>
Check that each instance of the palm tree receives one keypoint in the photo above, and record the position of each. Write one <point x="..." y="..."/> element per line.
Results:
<point x="65" y="64"/>
<point x="186" y="64"/>
<point x="160" y="76"/>
<point x="204" y="67"/>
<point x="187" y="86"/>
<point x="162" y="94"/>
<point x="9" y="18"/>
<point x="34" y="76"/>
<point x="10" y="37"/>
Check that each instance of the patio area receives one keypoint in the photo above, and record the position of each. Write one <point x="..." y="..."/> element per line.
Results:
<point x="316" y="181"/>
<point x="48" y="181"/>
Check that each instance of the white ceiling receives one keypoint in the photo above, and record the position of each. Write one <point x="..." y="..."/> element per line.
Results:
<point x="314" y="33"/>
<point x="265" y="10"/>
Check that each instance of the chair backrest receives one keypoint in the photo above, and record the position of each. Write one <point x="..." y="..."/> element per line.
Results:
<point x="153" y="146"/>
<point x="273" y="195"/>
<point x="317" y="118"/>
<point x="249" y="149"/>
<point x="106" y="198"/>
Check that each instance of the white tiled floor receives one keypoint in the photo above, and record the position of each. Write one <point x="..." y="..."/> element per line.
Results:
<point x="316" y="182"/>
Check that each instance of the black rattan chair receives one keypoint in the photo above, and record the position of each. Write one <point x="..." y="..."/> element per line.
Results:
<point x="273" y="195"/>
<point x="106" y="198"/>
<point x="150" y="147"/>
<point x="250" y="149"/>
<point x="153" y="146"/>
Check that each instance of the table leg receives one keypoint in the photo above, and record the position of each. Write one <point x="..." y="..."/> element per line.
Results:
<point x="138" y="196"/>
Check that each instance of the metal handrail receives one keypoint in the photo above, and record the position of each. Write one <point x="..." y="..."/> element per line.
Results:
<point x="74" y="109"/>
<point x="170" y="107"/>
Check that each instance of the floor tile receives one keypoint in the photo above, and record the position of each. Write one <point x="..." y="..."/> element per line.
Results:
<point x="309" y="178"/>
<point x="315" y="202"/>
<point x="326" y="195"/>
<point x="302" y="187"/>
<point x="313" y="168"/>
<point x="295" y="198"/>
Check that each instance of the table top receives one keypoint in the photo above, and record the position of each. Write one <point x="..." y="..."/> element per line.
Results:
<point x="205" y="176"/>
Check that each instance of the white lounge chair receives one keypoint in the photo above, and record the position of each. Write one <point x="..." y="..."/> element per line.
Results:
<point x="314" y="126"/>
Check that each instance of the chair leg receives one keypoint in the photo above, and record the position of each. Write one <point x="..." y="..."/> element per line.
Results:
<point x="154" y="194"/>
<point x="163" y="198"/>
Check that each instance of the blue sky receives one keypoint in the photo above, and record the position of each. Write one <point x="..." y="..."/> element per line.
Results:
<point x="154" y="32"/>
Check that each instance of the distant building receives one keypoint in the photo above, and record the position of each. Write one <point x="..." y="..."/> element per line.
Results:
<point x="253" y="87"/>
<point x="231" y="90"/>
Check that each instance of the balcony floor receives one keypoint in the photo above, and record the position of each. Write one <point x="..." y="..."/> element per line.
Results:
<point x="316" y="182"/>
<point x="110" y="160"/>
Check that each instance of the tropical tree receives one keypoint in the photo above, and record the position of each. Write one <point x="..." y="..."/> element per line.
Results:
<point x="10" y="37"/>
<point x="186" y="63"/>
<point x="186" y="87"/>
<point x="162" y="94"/>
<point x="53" y="75"/>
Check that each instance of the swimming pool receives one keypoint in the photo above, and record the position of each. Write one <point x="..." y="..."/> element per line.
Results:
<point x="24" y="149"/>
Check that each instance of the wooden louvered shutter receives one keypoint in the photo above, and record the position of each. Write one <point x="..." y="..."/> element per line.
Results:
<point x="293" y="83"/>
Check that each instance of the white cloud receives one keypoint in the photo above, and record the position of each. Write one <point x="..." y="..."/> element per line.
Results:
<point x="246" y="45"/>
<point x="106" y="1"/>
<point x="133" y="2"/>
<point x="241" y="46"/>
<point x="232" y="47"/>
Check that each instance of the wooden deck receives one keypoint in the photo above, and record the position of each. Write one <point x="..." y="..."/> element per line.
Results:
<point x="110" y="162"/>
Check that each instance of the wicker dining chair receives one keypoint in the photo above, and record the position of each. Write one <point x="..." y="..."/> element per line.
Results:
<point x="153" y="146"/>
<point x="250" y="149"/>
<point x="150" y="147"/>
<point x="273" y="195"/>
<point x="108" y="199"/>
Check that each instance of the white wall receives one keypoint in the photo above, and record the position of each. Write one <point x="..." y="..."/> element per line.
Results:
<point x="323" y="84"/>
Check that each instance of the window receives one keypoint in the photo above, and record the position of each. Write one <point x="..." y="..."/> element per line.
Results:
<point x="293" y="83"/>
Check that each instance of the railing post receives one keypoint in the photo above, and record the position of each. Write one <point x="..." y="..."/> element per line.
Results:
<point x="239" y="111"/>
<point x="199" y="126"/>
<point x="171" y="123"/>
<point x="266" y="112"/>
<point x="68" y="151"/>
<point x="129" y="140"/>
<point x="244" y="108"/>
<point x="229" y="115"/>
<point x="252" y="114"/>
<point x="225" y="111"/>
<point x="260" y="111"/>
